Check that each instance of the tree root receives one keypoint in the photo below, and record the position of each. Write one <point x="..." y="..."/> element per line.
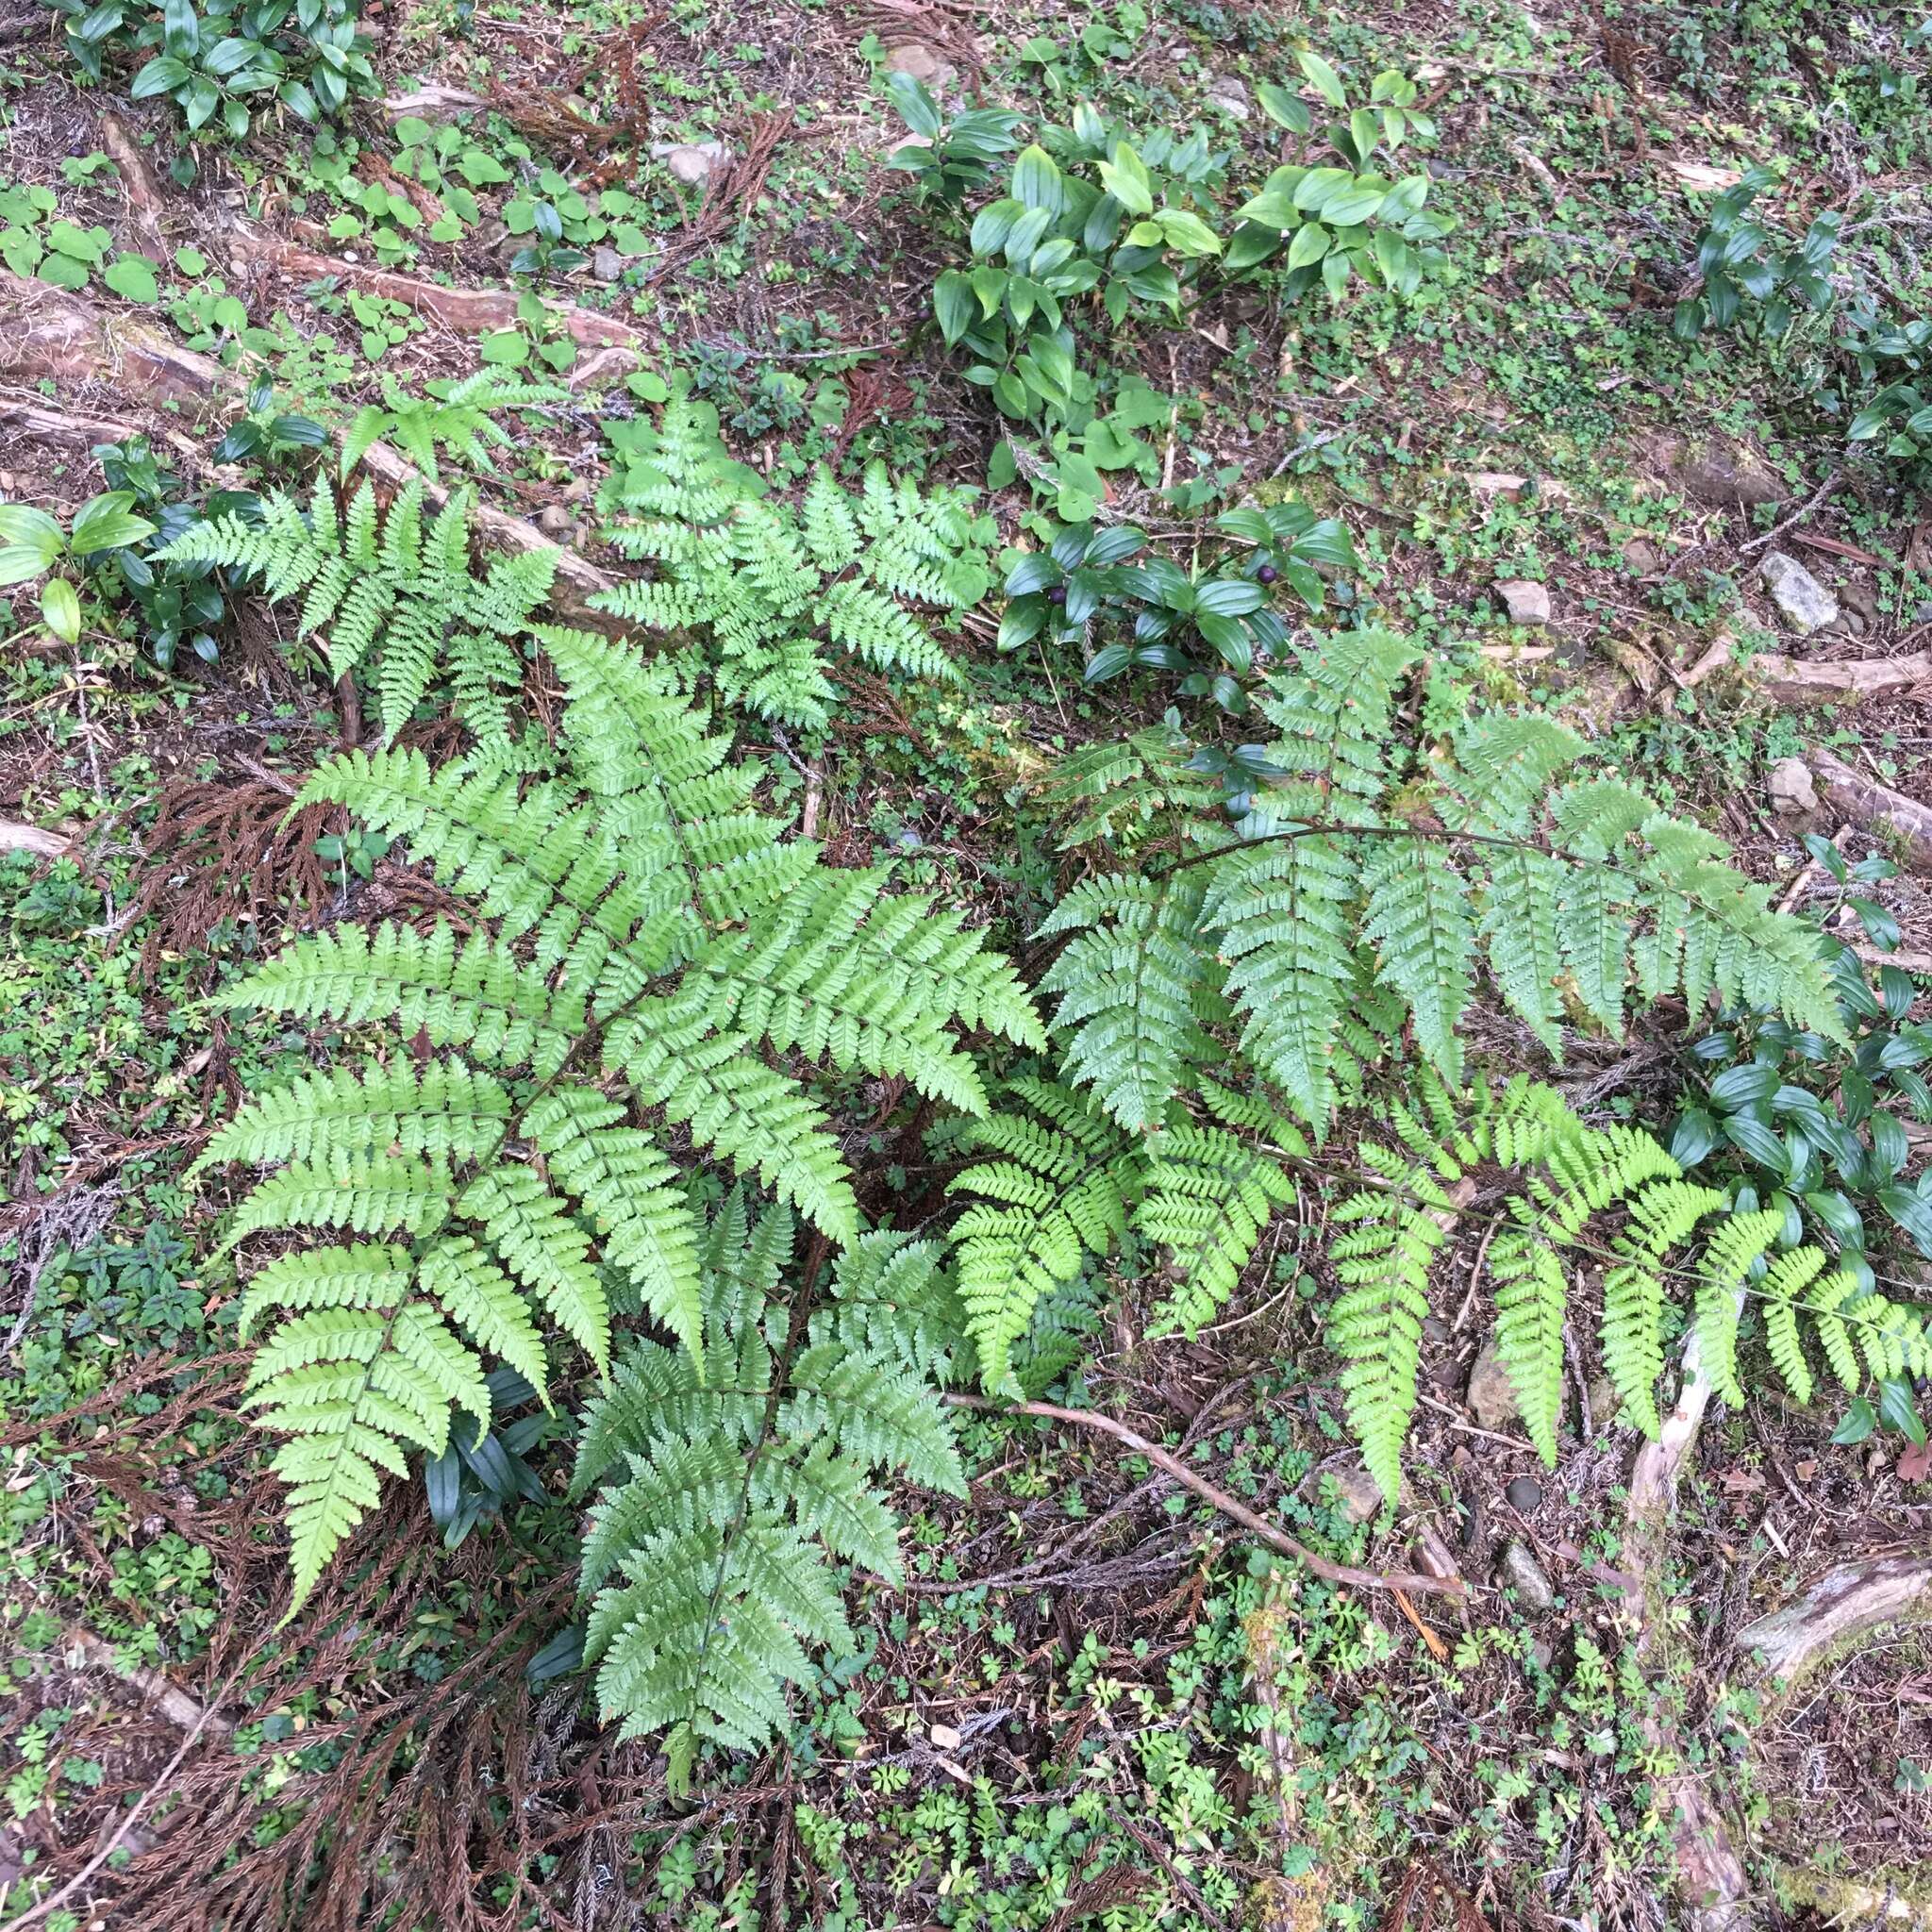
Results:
<point x="1712" y="1881"/>
<point x="469" y="311"/>
<point x="1843" y="1605"/>
<point x="47" y="333"/>
<point x="1800" y="680"/>
<point x="1876" y="808"/>
<point x="69" y="340"/>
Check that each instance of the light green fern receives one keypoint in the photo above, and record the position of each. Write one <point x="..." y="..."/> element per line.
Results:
<point x="728" y="1496"/>
<point x="774" y="586"/>
<point x="654" y="966"/>
<point x="1363" y="873"/>
<point x="393" y="596"/>
<point x="1582" y="1195"/>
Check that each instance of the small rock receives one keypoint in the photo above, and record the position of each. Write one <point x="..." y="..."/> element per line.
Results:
<point x="1435" y="1330"/>
<point x="554" y="519"/>
<point x="1491" y="1394"/>
<point x="1520" y="1571"/>
<point x="691" y="162"/>
<point x="945" y="1736"/>
<point x="1604" y="1401"/>
<point x="1643" y="558"/>
<point x="1524" y="1493"/>
<point x="1804" y="600"/>
<point x="1791" y="787"/>
<point x="921" y="62"/>
<point x="1230" y="92"/>
<point x="607" y="265"/>
<point x="1526" y="602"/>
<point x="1360" y="1493"/>
<point x="1854" y="622"/>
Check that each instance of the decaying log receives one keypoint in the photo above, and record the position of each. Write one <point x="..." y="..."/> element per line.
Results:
<point x="1858" y="1902"/>
<point x="48" y="333"/>
<point x="1803" y="680"/>
<point x="1875" y="808"/>
<point x="469" y="311"/>
<point x="1842" y="1605"/>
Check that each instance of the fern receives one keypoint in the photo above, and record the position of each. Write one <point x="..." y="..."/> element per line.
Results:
<point x="774" y="585"/>
<point x="727" y="1496"/>
<point x="455" y="416"/>
<point x="1053" y="1195"/>
<point x="1364" y="875"/>
<point x="393" y="596"/>
<point x="649" y="952"/>
<point x="1570" y="1178"/>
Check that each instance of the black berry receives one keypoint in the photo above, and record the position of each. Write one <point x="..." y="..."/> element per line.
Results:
<point x="1267" y="573"/>
<point x="1058" y="595"/>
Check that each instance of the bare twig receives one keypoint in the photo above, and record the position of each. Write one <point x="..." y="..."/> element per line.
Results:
<point x="1797" y="516"/>
<point x="1276" y="1539"/>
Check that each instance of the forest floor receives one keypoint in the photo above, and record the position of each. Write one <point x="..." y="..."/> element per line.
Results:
<point x="1059" y="1722"/>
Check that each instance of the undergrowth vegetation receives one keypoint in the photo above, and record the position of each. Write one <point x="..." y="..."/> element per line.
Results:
<point x="958" y="1006"/>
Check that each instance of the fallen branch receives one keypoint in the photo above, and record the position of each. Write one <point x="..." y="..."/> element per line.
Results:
<point x="1875" y="808"/>
<point x="47" y="333"/>
<point x="469" y="311"/>
<point x="1842" y="1605"/>
<point x="1797" y="516"/>
<point x="165" y="1695"/>
<point x="1276" y="1539"/>
<point x="41" y="844"/>
<point x="1799" y="680"/>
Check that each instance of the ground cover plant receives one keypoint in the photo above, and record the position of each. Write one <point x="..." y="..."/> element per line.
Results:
<point x="966" y="967"/>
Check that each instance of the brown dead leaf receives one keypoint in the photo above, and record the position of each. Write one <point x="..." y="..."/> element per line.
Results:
<point x="1915" y="1462"/>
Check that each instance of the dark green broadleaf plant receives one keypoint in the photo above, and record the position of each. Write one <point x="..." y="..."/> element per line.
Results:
<point x="1212" y="625"/>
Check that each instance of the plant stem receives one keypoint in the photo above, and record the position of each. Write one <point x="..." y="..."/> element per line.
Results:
<point x="1276" y="1539"/>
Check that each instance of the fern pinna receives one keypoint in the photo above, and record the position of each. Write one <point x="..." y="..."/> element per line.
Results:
<point x="647" y="951"/>
<point x="393" y="595"/>
<point x="1581" y="1196"/>
<point x="1365" y="877"/>
<point x="772" y="586"/>
<point x="732" y="1480"/>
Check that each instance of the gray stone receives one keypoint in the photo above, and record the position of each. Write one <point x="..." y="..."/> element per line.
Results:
<point x="1791" y="787"/>
<point x="554" y="519"/>
<point x="921" y="62"/>
<point x="1524" y="1493"/>
<point x="1520" y="1571"/>
<point x="691" y="162"/>
<point x="1526" y="602"/>
<point x="1230" y="92"/>
<point x="1492" y="1396"/>
<point x="1643" y="557"/>
<point x="607" y="265"/>
<point x="1807" y="604"/>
